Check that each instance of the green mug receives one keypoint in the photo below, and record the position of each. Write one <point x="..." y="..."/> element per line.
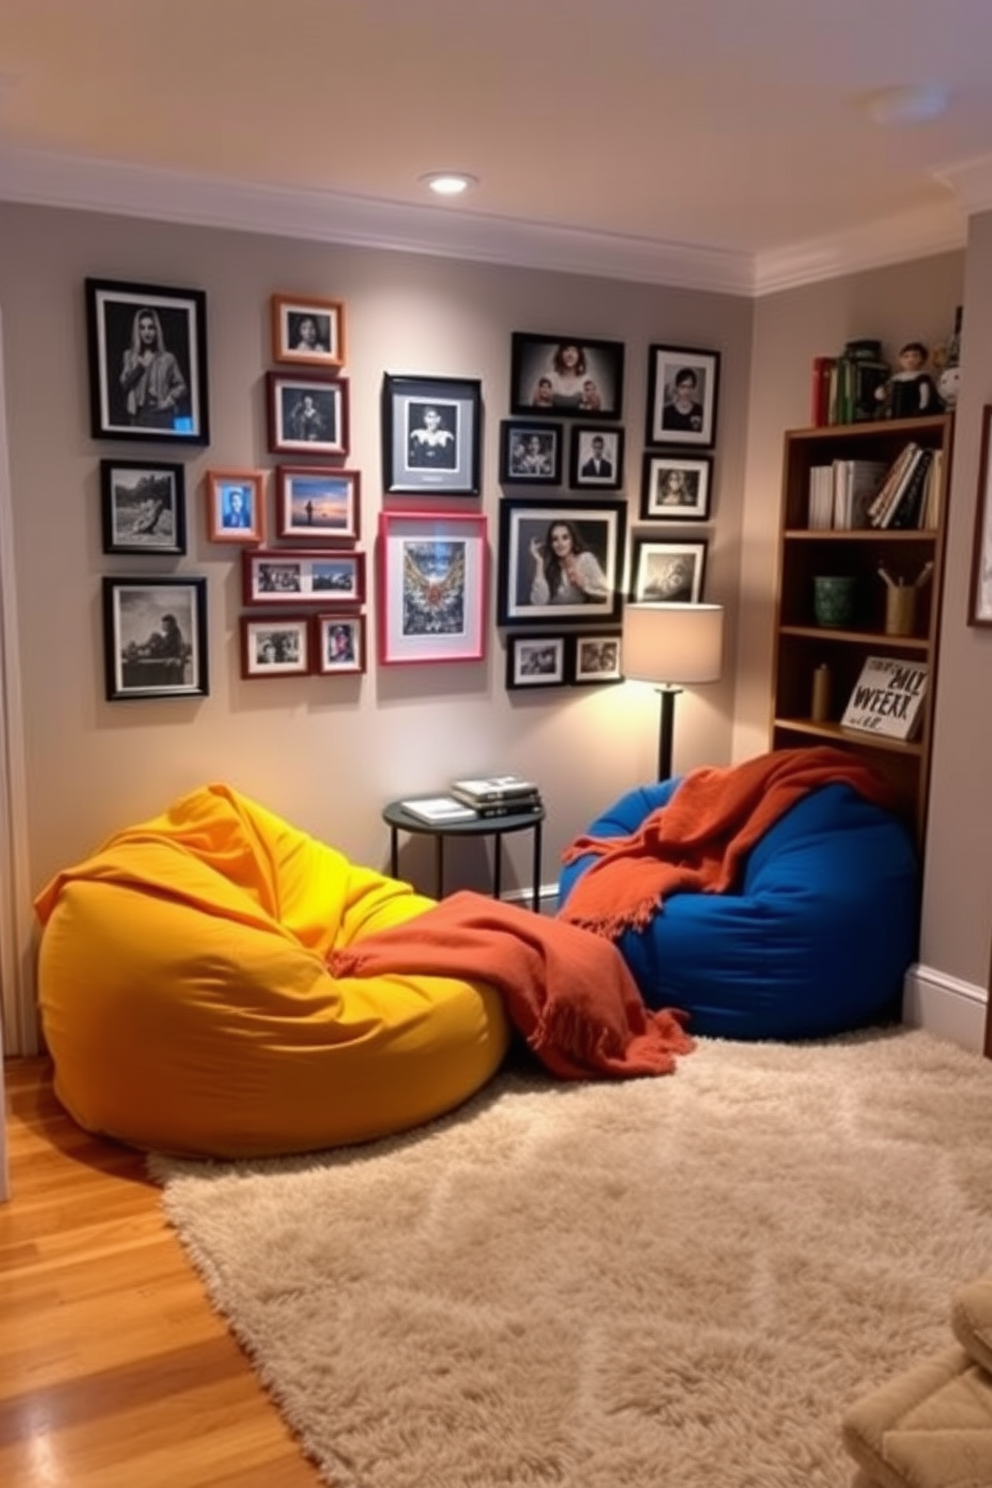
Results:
<point x="834" y="599"/>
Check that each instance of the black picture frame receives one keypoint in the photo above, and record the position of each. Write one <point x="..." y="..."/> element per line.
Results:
<point x="600" y="448"/>
<point x="665" y="572"/>
<point x="307" y="413"/>
<point x="675" y="487"/>
<point x="536" y="661"/>
<point x="147" y="654"/>
<point x="595" y="658"/>
<point x="542" y="380"/>
<point x="431" y="435"/>
<point x="530" y="453"/>
<point x="525" y="594"/>
<point x="143" y="507"/>
<point x="167" y="404"/>
<point x="667" y="421"/>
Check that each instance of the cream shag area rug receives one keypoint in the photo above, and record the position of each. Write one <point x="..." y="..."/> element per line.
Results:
<point x="677" y="1282"/>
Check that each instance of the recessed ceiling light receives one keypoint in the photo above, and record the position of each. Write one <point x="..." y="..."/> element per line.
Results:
<point x="911" y="103"/>
<point x="449" y="183"/>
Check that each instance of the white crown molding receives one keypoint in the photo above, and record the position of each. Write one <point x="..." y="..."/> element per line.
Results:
<point x="870" y="245"/>
<point x="971" y="182"/>
<point x="41" y="179"/>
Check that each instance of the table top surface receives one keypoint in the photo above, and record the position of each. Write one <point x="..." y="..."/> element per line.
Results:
<point x="514" y="821"/>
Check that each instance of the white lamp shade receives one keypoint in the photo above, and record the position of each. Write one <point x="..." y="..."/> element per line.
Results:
<point x="672" y="642"/>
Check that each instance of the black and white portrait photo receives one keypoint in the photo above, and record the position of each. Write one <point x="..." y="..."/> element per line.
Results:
<point x="535" y="661"/>
<point x="308" y="414"/>
<point x="155" y="637"/>
<point x="307" y="331"/>
<point x="431" y="438"/>
<point x="668" y="573"/>
<point x="148" y="362"/>
<point x="597" y="458"/>
<point x="530" y="453"/>
<point x="566" y="376"/>
<point x="143" y="507"/>
<point x="432" y="435"/>
<point x="675" y="489"/>
<point x="682" y="395"/>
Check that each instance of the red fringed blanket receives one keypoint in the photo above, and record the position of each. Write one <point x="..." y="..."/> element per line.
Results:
<point x="698" y="841"/>
<point x="567" y="992"/>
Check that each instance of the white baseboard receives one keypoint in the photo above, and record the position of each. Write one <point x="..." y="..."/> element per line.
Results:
<point x="943" y="1005"/>
<point x="547" y="894"/>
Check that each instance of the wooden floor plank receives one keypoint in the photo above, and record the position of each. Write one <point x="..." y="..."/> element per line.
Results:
<point x="114" y="1369"/>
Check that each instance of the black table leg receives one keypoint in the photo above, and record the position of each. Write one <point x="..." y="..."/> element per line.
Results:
<point x="536" y="870"/>
<point x="497" y="864"/>
<point x="439" y="866"/>
<point x="394" y="852"/>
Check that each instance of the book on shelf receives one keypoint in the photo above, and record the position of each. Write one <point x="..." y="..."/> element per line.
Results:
<point x="907" y="509"/>
<point x="855" y="485"/>
<point x="493" y="789"/>
<point x="891" y="485"/>
<point x="887" y="699"/>
<point x="439" y="809"/>
<point x="819" y="409"/>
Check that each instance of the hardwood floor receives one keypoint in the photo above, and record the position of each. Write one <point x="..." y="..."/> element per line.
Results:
<point x="114" y="1370"/>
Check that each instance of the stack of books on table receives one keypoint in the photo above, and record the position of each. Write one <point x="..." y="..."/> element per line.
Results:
<point x="498" y="795"/>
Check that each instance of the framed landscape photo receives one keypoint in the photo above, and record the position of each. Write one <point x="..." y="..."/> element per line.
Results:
<point x="530" y="454"/>
<point x="308" y="331"/>
<point x="308" y="414"/>
<point x="431" y="435"/>
<point x="143" y="507"/>
<point x="155" y="638"/>
<point x="280" y="576"/>
<point x="535" y="661"/>
<point x="316" y="501"/>
<point x="560" y="560"/>
<point x="340" y="644"/>
<point x="595" y="659"/>
<point x="566" y="376"/>
<point x="147" y="350"/>
<point x="596" y="458"/>
<point x="432" y="587"/>
<point x="675" y="488"/>
<point x="235" y="506"/>
<point x="668" y="572"/>
<point x="683" y="386"/>
<point x="276" y="646"/>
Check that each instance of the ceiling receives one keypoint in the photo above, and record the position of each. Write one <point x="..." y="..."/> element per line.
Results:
<point x="727" y="143"/>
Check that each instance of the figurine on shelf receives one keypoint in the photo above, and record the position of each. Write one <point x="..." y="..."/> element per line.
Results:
<point x="946" y="362"/>
<point x="910" y="391"/>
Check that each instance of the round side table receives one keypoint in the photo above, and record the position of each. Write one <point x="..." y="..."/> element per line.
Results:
<point x="400" y="820"/>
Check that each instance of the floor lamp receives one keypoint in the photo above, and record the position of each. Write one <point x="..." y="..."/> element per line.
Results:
<point x="671" y="645"/>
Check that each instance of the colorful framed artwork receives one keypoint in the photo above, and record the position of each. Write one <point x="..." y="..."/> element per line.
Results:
<point x="276" y="646"/>
<point x="143" y="507"/>
<point x="340" y="644"/>
<point x="308" y="331"/>
<point x="535" y="661"/>
<point x="683" y="385"/>
<point x="560" y="560"/>
<point x="318" y="502"/>
<point x="667" y="572"/>
<point x="530" y="453"/>
<point x="155" y="638"/>
<point x="235" y="506"/>
<point x="432" y="587"/>
<point x="283" y="576"/>
<point x="674" y="488"/>
<point x="308" y="414"/>
<point x="595" y="659"/>
<point x="596" y="458"/>
<point x="147" y="362"/>
<point x="431" y="435"/>
<point x="566" y="376"/>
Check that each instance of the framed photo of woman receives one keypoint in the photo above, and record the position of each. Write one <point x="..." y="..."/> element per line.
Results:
<point x="668" y="572"/>
<point x="307" y="331"/>
<point x="559" y="560"/>
<point x="530" y="453"/>
<point x="147" y="362"/>
<point x="682" y="395"/>
<point x="535" y="661"/>
<point x="566" y="376"/>
<point x="674" y="488"/>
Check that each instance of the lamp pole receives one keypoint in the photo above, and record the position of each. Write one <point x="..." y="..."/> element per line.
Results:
<point x="666" y="732"/>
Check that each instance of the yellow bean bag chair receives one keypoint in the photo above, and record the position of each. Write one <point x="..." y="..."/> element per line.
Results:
<point x="187" y="1005"/>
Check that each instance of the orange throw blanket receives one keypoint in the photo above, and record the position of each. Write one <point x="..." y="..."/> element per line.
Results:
<point x="567" y="992"/>
<point x="698" y="841"/>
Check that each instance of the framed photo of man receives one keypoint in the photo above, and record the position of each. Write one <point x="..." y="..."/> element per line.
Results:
<point x="596" y="458"/>
<point x="675" y="488"/>
<point x="566" y="376"/>
<point x="147" y="350"/>
<point x="683" y="385"/>
<point x="431" y="435"/>
<point x="235" y="506"/>
<point x="155" y="637"/>
<point x="308" y="414"/>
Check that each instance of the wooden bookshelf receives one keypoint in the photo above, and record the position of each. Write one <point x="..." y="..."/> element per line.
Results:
<point x="801" y="644"/>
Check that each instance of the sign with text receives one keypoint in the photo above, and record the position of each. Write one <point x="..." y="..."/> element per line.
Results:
<point x="888" y="698"/>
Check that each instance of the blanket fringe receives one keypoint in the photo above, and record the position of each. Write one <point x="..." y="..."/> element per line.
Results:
<point x="611" y="924"/>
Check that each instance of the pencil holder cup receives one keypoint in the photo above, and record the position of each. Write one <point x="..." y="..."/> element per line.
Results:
<point x="900" y="609"/>
<point x="833" y="600"/>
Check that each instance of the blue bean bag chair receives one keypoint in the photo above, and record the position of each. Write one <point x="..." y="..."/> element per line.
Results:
<point x="814" y="940"/>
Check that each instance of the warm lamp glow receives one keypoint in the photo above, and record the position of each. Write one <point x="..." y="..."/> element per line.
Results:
<point x="671" y="644"/>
